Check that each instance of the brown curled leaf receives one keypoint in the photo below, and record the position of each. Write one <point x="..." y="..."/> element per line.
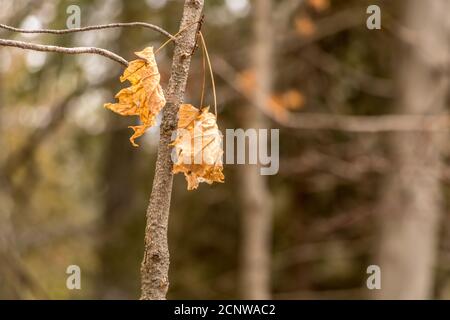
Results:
<point x="145" y="97"/>
<point x="198" y="147"/>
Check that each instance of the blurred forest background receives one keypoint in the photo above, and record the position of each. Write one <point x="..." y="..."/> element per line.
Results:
<point x="357" y="186"/>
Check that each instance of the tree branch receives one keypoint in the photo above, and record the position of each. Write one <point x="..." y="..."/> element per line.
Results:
<point x="155" y="264"/>
<point x="75" y="50"/>
<point x="89" y="28"/>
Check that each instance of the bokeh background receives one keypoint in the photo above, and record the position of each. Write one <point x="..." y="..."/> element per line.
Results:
<point x="74" y="191"/>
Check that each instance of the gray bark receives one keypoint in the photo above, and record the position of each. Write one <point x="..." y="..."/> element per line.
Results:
<point x="411" y="202"/>
<point x="155" y="264"/>
<point x="256" y="198"/>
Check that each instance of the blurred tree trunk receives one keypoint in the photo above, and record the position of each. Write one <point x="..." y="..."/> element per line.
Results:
<point x="256" y="198"/>
<point x="119" y="199"/>
<point x="16" y="281"/>
<point x="411" y="200"/>
<point x="119" y="213"/>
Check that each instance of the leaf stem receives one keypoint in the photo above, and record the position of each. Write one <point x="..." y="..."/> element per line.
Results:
<point x="204" y="77"/>
<point x="210" y="71"/>
<point x="174" y="37"/>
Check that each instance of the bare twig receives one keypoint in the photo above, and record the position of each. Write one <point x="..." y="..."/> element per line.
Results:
<point x="350" y="123"/>
<point x="378" y="123"/>
<point x="74" y="50"/>
<point x="89" y="28"/>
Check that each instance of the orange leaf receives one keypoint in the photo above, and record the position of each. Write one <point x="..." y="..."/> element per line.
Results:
<point x="145" y="97"/>
<point x="198" y="147"/>
<point x="319" y="5"/>
<point x="305" y="26"/>
<point x="279" y="104"/>
<point x="293" y="99"/>
<point x="246" y="80"/>
<point x="275" y="104"/>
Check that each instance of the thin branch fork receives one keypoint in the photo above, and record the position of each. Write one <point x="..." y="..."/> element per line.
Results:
<point x="89" y="28"/>
<point x="77" y="50"/>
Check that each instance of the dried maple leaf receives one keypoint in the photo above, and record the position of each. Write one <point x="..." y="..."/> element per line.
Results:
<point x="145" y="97"/>
<point x="198" y="147"/>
